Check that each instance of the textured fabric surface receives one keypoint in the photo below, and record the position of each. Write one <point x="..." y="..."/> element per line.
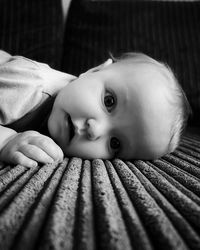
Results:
<point x="167" y="31"/>
<point x="81" y="204"/>
<point x="33" y="29"/>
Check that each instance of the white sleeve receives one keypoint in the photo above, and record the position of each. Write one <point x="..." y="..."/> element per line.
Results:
<point x="55" y="79"/>
<point x="24" y="84"/>
<point x="21" y="87"/>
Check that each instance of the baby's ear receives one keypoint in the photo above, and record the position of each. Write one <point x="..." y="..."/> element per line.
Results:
<point x="100" y="67"/>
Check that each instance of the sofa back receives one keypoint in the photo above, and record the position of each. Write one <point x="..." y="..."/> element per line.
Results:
<point x="33" y="29"/>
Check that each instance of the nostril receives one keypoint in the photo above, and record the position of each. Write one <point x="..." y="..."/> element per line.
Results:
<point x="87" y="123"/>
<point x="92" y="129"/>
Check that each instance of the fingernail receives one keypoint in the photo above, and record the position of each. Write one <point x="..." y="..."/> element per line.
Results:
<point x="35" y="164"/>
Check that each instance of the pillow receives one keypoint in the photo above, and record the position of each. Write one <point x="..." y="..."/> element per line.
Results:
<point x="166" y="31"/>
<point x="33" y="29"/>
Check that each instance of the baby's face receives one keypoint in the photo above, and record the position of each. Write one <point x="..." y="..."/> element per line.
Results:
<point x="117" y="111"/>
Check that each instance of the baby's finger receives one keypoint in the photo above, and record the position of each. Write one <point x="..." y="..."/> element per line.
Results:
<point x="49" y="146"/>
<point x="35" y="153"/>
<point x="20" y="158"/>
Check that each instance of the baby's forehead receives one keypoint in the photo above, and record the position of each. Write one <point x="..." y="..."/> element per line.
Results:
<point x="138" y="78"/>
<point x="143" y="74"/>
<point x="144" y="68"/>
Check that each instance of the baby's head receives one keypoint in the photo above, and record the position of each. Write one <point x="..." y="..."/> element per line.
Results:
<point x="131" y="108"/>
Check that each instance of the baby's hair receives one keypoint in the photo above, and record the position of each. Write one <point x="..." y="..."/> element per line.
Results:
<point x="179" y="102"/>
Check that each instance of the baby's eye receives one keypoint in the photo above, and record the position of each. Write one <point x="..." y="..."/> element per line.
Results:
<point x="114" y="143"/>
<point x="109" y="101"/>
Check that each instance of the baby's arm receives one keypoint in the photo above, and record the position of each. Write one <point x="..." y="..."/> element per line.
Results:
<point x="27" y="148"/>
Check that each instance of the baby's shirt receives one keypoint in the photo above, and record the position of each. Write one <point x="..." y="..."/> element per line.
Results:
<point x="27" y="87"/>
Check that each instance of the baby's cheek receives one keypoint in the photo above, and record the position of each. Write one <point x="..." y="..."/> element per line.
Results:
<point x="52" y="125"/>
<point x="88" y="150"/>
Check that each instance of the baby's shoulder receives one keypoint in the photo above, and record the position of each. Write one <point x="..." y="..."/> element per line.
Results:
<point x="22" y="62"/>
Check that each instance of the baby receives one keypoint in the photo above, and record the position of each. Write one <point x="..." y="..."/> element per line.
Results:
<point x="131" y="107"/>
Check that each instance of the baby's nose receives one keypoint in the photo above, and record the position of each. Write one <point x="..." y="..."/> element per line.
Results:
<point x="94" y="129"/>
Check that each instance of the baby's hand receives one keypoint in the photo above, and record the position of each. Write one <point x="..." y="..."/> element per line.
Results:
<point x="30" y="147"/>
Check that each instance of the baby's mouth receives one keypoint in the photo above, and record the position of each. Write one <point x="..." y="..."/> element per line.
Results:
<point x="71" y="128"/>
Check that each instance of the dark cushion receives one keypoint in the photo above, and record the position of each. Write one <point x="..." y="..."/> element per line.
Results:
<point x="167" y="31"/>
<point x="33" y="29"/>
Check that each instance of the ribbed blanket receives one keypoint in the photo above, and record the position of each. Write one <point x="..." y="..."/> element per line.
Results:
<point x="82" y="204"/>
